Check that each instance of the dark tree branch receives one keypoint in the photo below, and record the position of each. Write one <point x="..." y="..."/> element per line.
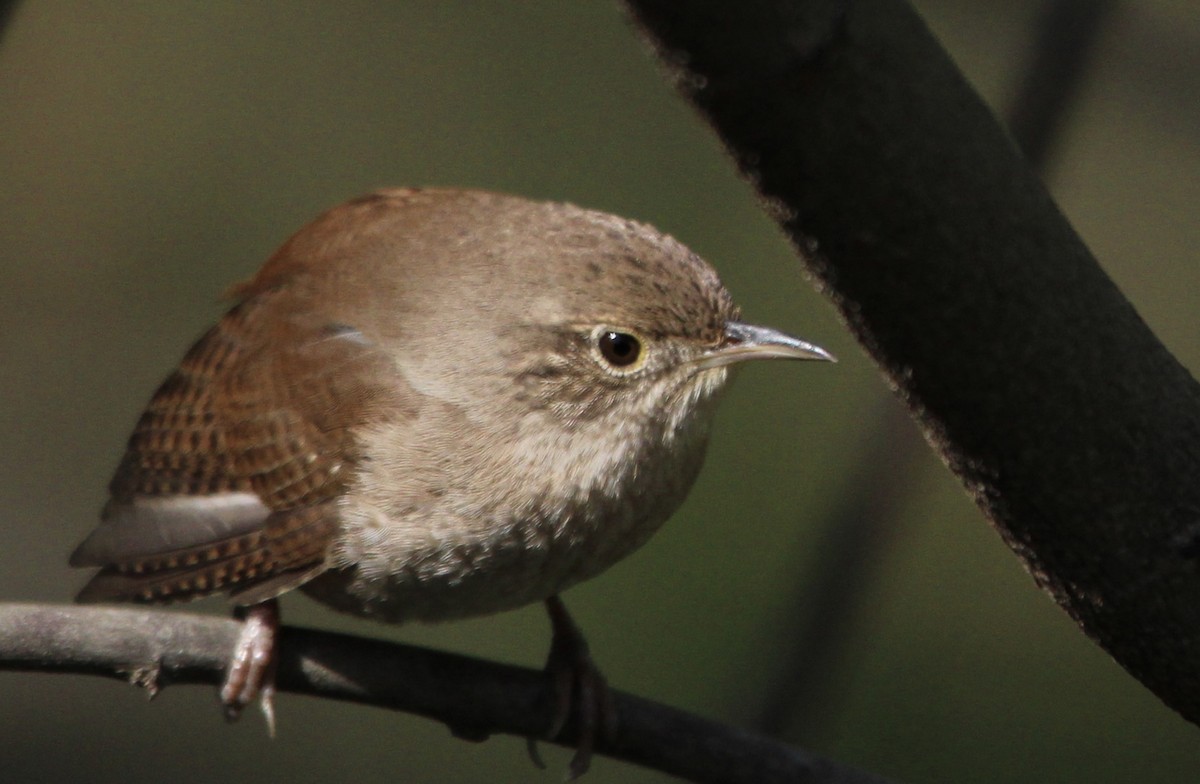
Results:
<point x="474" y="698"/>
<point x="1075" y="430"/>
<point x="1066" y="35"/>
<point x="864" y="517"/>
<point x="825" y="609"/>
<point x="7" y="7"/>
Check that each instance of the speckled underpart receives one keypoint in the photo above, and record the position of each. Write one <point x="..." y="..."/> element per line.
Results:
<point x="406" y="413"/>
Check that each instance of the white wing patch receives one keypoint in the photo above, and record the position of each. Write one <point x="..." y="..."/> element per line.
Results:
<point x="149" y="526"/>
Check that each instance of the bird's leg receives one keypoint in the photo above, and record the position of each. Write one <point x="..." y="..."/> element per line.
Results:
<point x="576" y="681"/>
<point x="252" y="669"/>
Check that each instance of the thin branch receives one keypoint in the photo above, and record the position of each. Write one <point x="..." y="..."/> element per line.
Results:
<point x="1067" y="31"/>
<point x="1075" y="430"/>
<point x="864" y="520"/>
<point x="7" y="9"/>
<point x="474" y="698"/>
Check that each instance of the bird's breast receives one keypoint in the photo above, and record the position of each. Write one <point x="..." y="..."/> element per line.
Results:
<point x="446" y="532"/>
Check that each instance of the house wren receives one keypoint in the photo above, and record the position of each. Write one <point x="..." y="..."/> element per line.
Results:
<point x="428" y="404"/>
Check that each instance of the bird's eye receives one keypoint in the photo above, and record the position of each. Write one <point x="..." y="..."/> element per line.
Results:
<point x="619" y="349"/>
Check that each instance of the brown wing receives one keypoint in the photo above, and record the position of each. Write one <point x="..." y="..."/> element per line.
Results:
<point x="231" y="477"/>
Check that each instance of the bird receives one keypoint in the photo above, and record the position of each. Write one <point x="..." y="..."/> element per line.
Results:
<point x="429" y="404"/>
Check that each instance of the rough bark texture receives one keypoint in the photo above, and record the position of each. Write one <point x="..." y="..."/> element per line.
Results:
<point x="865" y="516"/>
<point x="1071" y="425"/>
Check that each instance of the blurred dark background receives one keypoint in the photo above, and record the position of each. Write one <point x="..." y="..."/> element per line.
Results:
<point x="152" y="153"/>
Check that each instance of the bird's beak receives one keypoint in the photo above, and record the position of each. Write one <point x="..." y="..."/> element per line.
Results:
<point x="744" y="342"/>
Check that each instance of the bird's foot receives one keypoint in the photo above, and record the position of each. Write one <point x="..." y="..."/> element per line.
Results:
<point x="251" y="672"/>
<point x="577" y="683"/>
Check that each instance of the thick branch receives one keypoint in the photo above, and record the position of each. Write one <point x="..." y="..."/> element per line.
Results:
<point x="1073" y="427"/>
<point x="475" y="698"/>
<point x="864" y="516"/>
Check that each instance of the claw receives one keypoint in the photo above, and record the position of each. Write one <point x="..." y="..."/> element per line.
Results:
<point x="251" y="672"/>
<point x="576" y="681"/>
<point x="534" y="755"/>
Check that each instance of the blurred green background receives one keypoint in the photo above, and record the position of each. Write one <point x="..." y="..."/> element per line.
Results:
<point x="152" y="153"/>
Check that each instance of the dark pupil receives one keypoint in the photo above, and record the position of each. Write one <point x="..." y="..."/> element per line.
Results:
<point x="619" y="349"/>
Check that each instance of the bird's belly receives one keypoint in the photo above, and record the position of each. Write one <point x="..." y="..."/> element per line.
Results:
<point x="564" y="516"/>
<point x="508" y="567"/>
